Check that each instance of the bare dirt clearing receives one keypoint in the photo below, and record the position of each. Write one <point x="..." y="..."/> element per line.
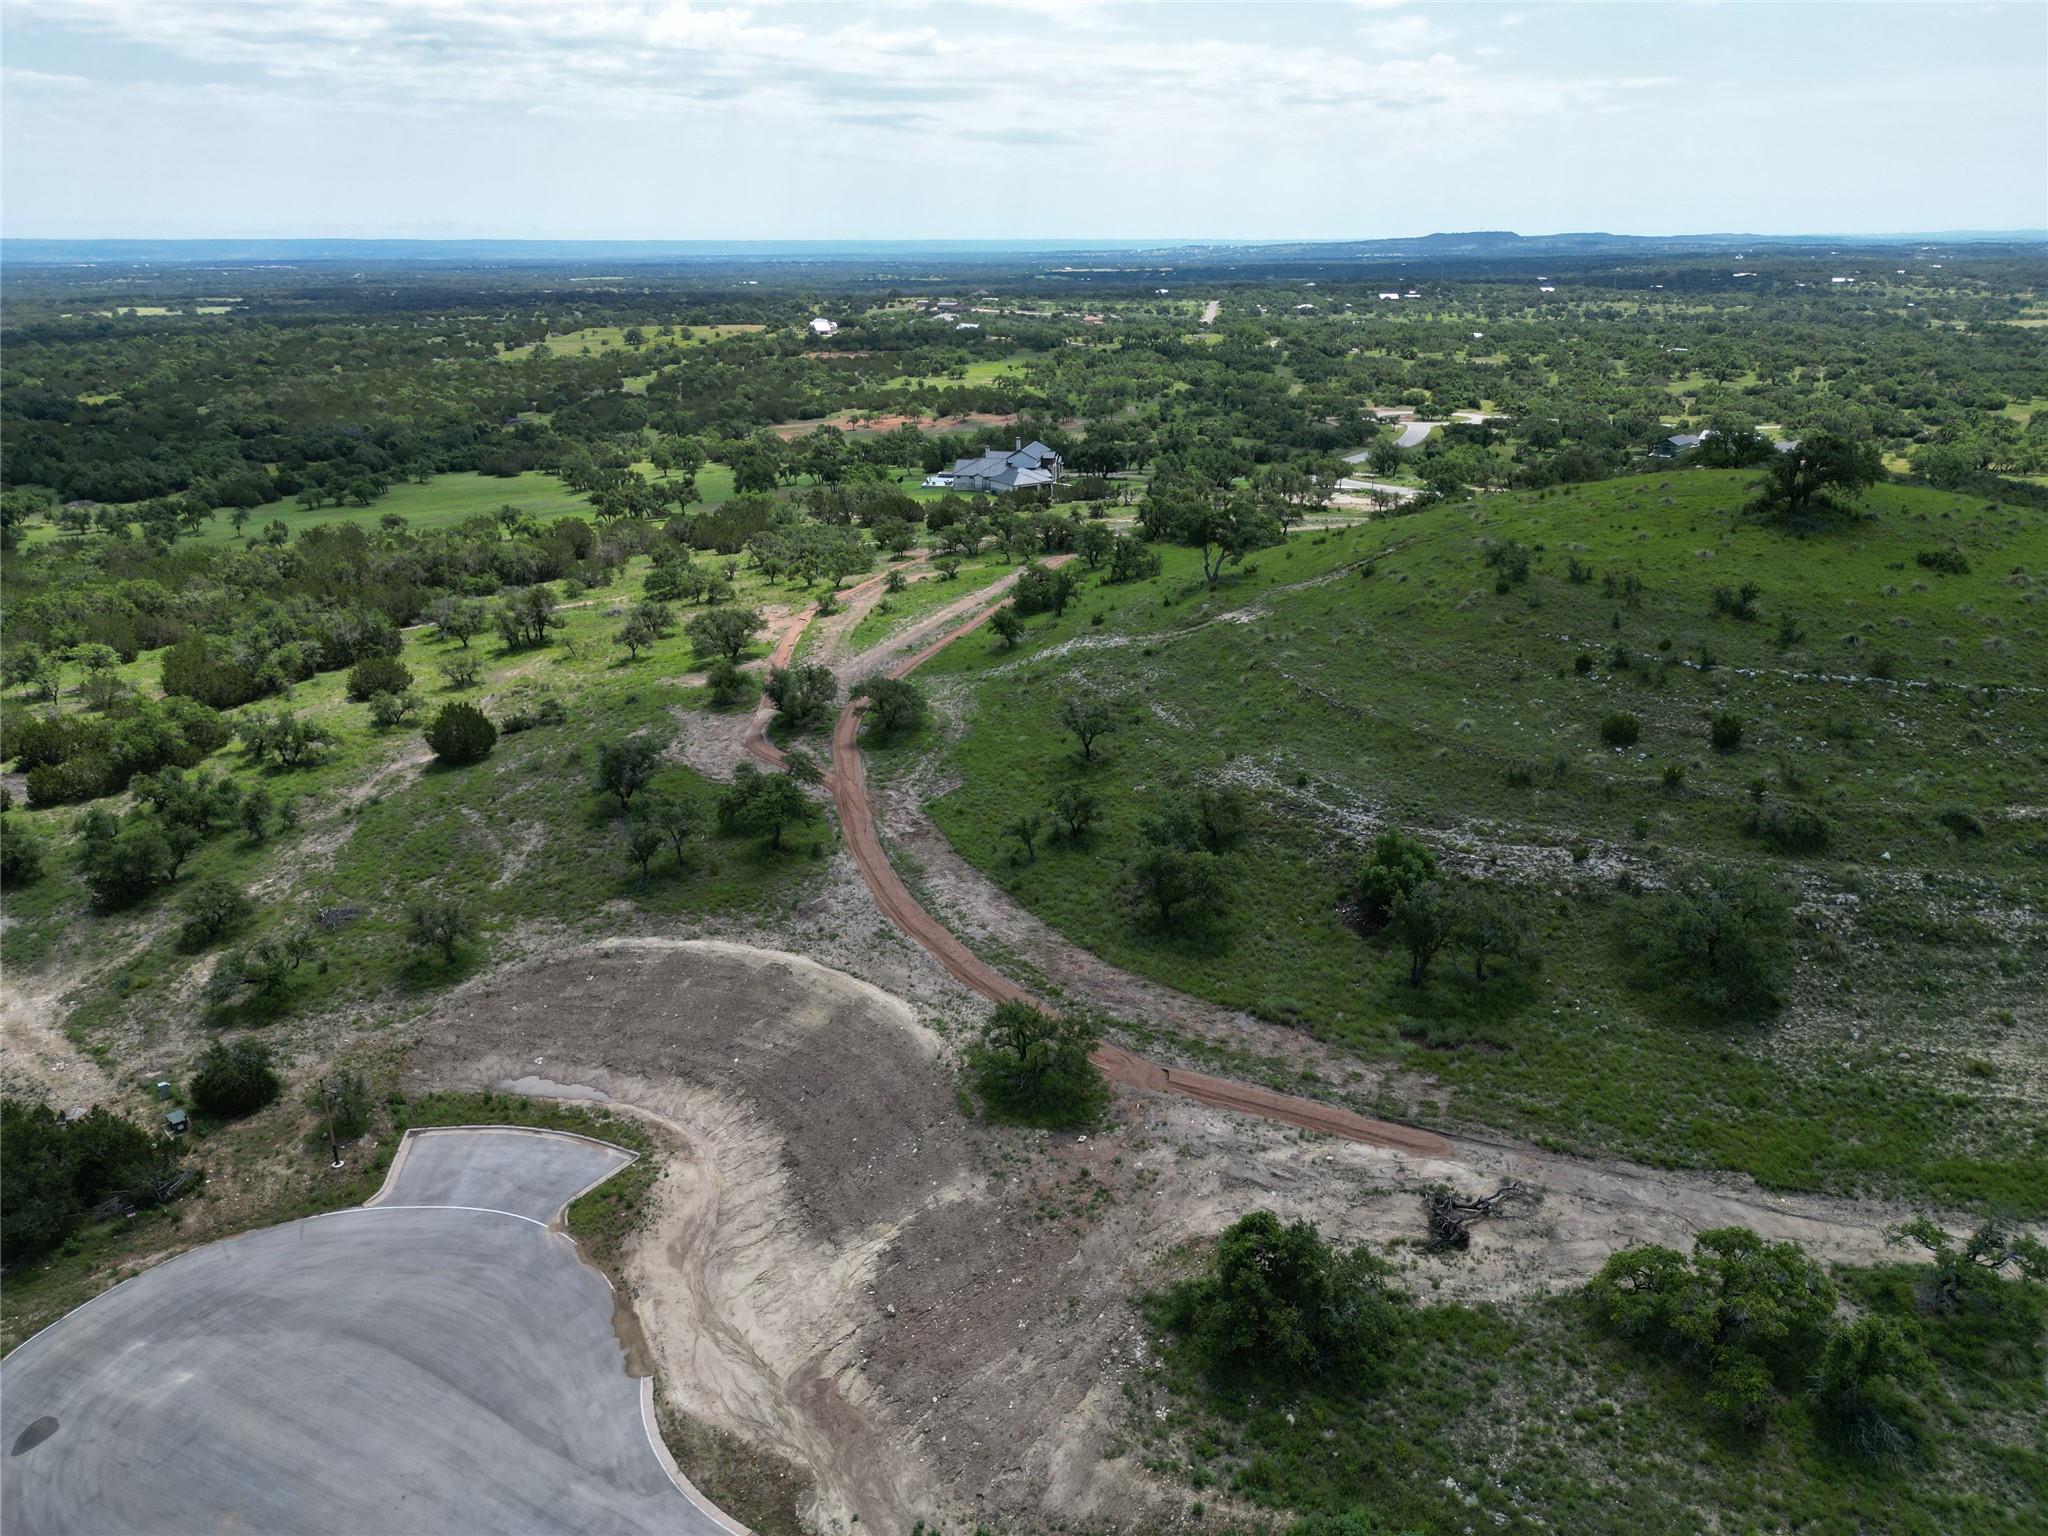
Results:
<point x="36" y="1058"/>
<point x="934" y="1315"/>
<point x="863" y="426"/>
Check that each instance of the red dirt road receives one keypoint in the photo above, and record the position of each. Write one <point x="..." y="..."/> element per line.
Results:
<point x="758" y="746"/>
<point x="848" y="783"/>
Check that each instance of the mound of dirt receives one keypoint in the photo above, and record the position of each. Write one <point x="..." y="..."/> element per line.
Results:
<point x="852" y="1084"/>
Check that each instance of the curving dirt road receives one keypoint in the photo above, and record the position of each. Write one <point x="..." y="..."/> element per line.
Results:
<point x="853" y="602"/>
<point x="847" y="782"/>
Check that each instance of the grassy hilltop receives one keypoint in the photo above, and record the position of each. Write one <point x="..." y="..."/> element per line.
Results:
<point x="1389" y="675"/>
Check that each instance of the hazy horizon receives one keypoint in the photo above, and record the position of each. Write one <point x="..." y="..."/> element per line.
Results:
<point x="740" y="244"/>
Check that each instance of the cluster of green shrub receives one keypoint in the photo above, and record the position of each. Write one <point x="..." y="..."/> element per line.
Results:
<point x="1031" y="1067"/>
<point x="1278" y="1304"/>
<point x="72" y="757"/>
<point x="55" y="1171"/>
<point x="237" y="625"/>
<point x="1290" y="1349"/>
<point x="126" y="858"/>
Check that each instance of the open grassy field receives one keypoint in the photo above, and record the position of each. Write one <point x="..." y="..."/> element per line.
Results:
<point x="1374" y="677"/>
<point x="979" y="372"/>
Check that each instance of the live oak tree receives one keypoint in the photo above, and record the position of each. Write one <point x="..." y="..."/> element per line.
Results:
<point x="439" y="923"/>
<point x="262" y="972"/>
<point x="393" y="709"/>
<point x="1045" y="589"/>
<point x="213" y="909"/>
<point x="459" y="619"/>
<point x="1024" y="829"/>
<point x="624" y="768"/>
<point x="1742" y="1310"/>
<point x="1174" y="886"/>
<point x="643" y="842"/>
<point x="1075" y="808"/>
<point x="1280" y="1303"/>
<point x="1816" y="482"/>
<point x="763" y="804"/>
<point x="256" y="812"/>
<point x="1423" y="921"/>
<point x="1094" y="543"/>
<point x="1087" y="718"/>
<point x="723" y="631"/>
<point x="647" y="625"/>
<point x="803" y="693"/>
<point x="1863" y="1379"/>
<point x="1033" y="1068"/>
<point x="673" y="818"/>
<point x="1719" y="935"/>
<point x="727" y="684"/>
<point x="894" y="705"/>
<point x="1224" y="528"/>
<point x="526" y="617"/>
<point x="1969" y="1267"/>
<point x="1397" y="864"/>
<point x="1487" y="923"/>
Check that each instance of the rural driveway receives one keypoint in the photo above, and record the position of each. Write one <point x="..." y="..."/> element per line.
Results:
<point x="438" y="1360"/>
<point x="848" y="784"/>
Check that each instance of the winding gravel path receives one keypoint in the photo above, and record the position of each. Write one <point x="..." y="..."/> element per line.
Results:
<point x="849" y="787"/>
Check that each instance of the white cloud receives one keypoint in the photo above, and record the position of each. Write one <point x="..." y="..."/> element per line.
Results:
<point x="1405" y="34"/>
<point x="748" y="117"/>
<point x="868" y="68"/>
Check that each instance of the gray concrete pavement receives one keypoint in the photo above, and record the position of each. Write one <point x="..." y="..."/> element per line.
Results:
<point x="388" y="1369"/>
<point x="524" y="1172"/>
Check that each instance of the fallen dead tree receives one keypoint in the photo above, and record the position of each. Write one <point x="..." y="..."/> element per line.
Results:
<point x="1450" y="1219"/>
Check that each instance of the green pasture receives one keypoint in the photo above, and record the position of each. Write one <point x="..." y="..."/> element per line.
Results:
<point x="1372" y="676"/>
<point x="982" y="371"/>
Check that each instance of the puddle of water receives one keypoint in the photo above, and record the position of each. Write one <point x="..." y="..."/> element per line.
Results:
<point x="542" y="1088"/>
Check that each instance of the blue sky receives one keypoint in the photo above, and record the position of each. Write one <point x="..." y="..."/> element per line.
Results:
<point x="684" y="119"/>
